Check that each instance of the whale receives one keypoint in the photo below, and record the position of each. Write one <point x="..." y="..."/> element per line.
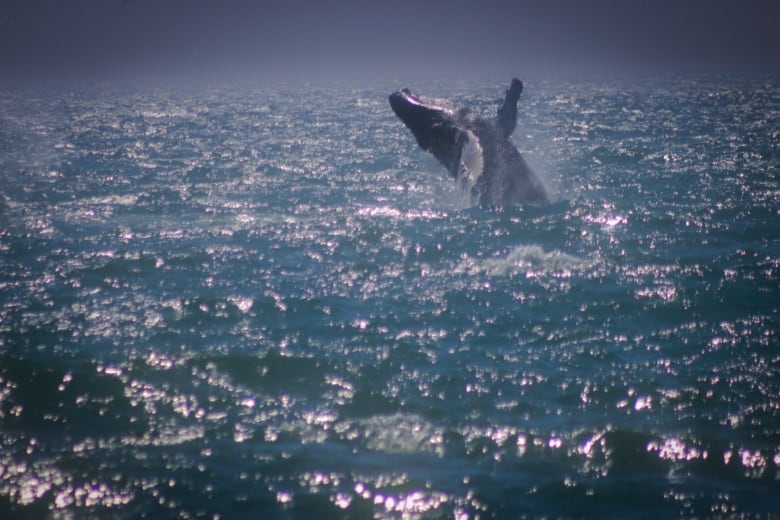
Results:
<point x="476" y="151"/>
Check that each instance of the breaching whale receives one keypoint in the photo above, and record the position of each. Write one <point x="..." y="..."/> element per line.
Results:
<point x="475" y="151"/>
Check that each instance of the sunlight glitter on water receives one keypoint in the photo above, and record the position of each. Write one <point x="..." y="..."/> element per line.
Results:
<point x="289" y="318"/>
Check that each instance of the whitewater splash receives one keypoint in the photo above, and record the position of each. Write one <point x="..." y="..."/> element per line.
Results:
<point x="529" y="260"/>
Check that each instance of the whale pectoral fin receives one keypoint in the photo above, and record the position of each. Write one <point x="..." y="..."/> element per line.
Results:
<point x="507" y="113"/>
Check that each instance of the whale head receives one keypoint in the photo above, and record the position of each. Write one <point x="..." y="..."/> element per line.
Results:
<point x="436" y="125"/>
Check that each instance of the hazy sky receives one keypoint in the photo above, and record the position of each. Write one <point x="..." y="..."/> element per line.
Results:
<point x="102" y="39"/>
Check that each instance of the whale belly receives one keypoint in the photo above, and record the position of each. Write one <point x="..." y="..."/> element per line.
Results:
<point x="471" y="166"/>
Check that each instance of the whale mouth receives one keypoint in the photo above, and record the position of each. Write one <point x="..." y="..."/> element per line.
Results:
<point x="405" y="103"/>
<point x="415" y="114"/>
<point x="407" y="96"/>
<point x="403" y="99"/>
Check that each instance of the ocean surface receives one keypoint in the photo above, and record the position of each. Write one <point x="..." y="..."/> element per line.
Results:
<point x="268" y="302"/>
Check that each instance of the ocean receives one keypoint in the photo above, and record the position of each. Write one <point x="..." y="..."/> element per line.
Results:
<point x="265" y="301"/>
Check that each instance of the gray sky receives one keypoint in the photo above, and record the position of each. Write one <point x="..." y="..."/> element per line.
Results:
<point x="105" y="39"/>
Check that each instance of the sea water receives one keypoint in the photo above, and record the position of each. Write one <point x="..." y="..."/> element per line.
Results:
<point x="268" y="302"/>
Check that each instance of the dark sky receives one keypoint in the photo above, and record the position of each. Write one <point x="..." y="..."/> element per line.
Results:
<point x="105" y="39"/>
